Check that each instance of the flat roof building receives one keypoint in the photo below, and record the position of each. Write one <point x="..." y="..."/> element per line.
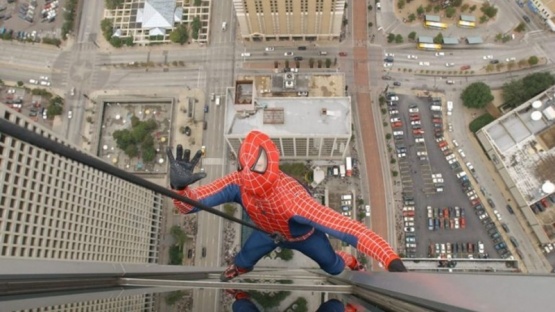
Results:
<point x="521" y="145"/>
<point x="450" y="40"/>
<point x="425" y="39"/>
<point x="307" y="116"/>
<point x="474" y="40"/>
<point x="270" y="20"/>
<point x="55" y="208"/>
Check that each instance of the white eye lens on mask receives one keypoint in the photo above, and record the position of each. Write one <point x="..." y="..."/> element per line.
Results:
<point x="261" y="163"/>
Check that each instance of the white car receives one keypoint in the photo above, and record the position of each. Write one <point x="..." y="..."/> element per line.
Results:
<point x="461" y="152"/>
<point x="488" y="57"/>
<point x="45" y="83"/>
<point x="409" y="229"/>
<point x="415" y="122"/>
<point x="410" y="239"/>
<point x="481" y="247"/>
<point x="394" y="98"/>
<point x="288" y="53"/>
<point x="409" y="223"/>
<point x="440" y="54"/>
<point x="413" y="110"/>
<point x="245" y="54"/>
<point x="412" y="57"/>
<point x="408" y="208"/>
<point x="397" y="133"/>
<point x="44" y="78"/>
<point x="387" y="64"/>
<point x="424" y="63"/>
<point x="269" y="49"/>
<point x="69" y="114"/>
<point x="394" y="119"/>
<point x="455" y="143"/>
<point x="33" y="81"/>
<point x="449" y="64"/>
<point x="419" y="140"/>
<point x="11" y="91"/>
<point x="389" y="54"/>
<point x="393" y="112"/>
<point x="511" y="59"/>
<point x="411" y="219"/>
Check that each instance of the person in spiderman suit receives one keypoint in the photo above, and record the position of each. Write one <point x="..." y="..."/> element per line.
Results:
<point x="277" y="204"/>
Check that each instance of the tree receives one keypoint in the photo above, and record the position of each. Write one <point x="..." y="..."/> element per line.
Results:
<point x="370" y="24"/>
<point x="412" y="35"/>
<point x="401" y="4"/>
<point x="179" y="235"/>
<point x="429" y="8"/>
<point x="533" y="60"/>
<point x="20" y="83"/>
<point x="195" y="26"/>
<point x="112" y="4"/>
<point x="54" y="110"/>
<point x="450" y="11"/>
<point x="390" y="38"/>
<point x="517" y="92"/>
<point x="173" y="297"/>
<point x="328" y="63"/>
<point x="420" y="10"/>
<point x="457" y="3"/>
<point x="116" y="42"/>
<point x="369" y="7"/>
<point x="464" y="7"/>
<point x="438" y="39"/>
<point x="489" y="10"/>
<point x="180" y="34"/>
<point x="480" y="122"/>
<point x="399" y="38"/>
<point x="412" y="17"/>
<point x="131" y="151"/>
<point x="473" y="8"/>
<point x="521" y="27"/>
<point x="476" y="95"/>
<point x="311" y="62"/>
<point x="107" y="28"/>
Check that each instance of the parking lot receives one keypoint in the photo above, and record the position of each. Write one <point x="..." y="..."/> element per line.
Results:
<point x="31" y="20"/>
<point x="20" y="100"/>
<point x="434" y="174"/>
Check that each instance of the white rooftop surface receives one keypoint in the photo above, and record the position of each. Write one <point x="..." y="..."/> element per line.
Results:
<point x="514" y="136"/>
<point x="157" y="14"/>
<point x="302" y="117"/>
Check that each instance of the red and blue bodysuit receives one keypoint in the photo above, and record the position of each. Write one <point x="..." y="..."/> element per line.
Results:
<point x="279" y="204"/>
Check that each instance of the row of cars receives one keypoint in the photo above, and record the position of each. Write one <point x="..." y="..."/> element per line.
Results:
<point x="446" y="218"/>
<point x="43" y="81"/>
<point x="458" y="250"/>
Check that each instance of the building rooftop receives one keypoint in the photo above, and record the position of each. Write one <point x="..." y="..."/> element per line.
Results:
<point x="290" y="104"/>
<point x="525" y="141"/>
<point x="425" y="39"/>
<point x="474" y="40"/>
<point x="468" y="18"/>
<point x="295" y="116"/>
<point x="432" y="18"/>
<point x="450" y="40"/>
<point x="157" y="14"/>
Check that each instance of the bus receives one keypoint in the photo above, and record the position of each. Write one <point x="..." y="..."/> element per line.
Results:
<point x="435" y="25"/>
<point x="466" y="24"/>
<point x="429" y="46"/>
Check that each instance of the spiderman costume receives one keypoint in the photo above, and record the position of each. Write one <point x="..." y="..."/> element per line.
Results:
<point x="278" y="204"/>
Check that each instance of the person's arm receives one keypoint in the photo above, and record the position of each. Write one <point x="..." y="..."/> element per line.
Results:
<point x="325" y="219"/>
<point x="223" y="190"/>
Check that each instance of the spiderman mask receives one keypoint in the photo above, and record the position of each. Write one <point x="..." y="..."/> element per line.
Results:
<point x="258" y="164"/>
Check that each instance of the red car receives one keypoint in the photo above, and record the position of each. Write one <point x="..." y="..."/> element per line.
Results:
<point x="462" y="222"/>
<point x="475" y="202"/>
<point x="397" y="124"/>
<point x="442" y="144"/>
<point x="465" y="67"/>
<point x="414" y="118"/>
<point x="342" y="53"/>
<point x="417" y="131"/>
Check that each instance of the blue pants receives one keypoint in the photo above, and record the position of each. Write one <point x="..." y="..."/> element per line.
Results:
<point x="317" y="246"/>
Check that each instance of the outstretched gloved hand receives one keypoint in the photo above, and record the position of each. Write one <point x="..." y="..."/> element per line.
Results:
<point x="396" y="266"/>
<point x="181" y="169"/>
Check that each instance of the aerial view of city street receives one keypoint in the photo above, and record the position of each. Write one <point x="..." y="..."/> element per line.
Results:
<point x="431" y="122"/>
